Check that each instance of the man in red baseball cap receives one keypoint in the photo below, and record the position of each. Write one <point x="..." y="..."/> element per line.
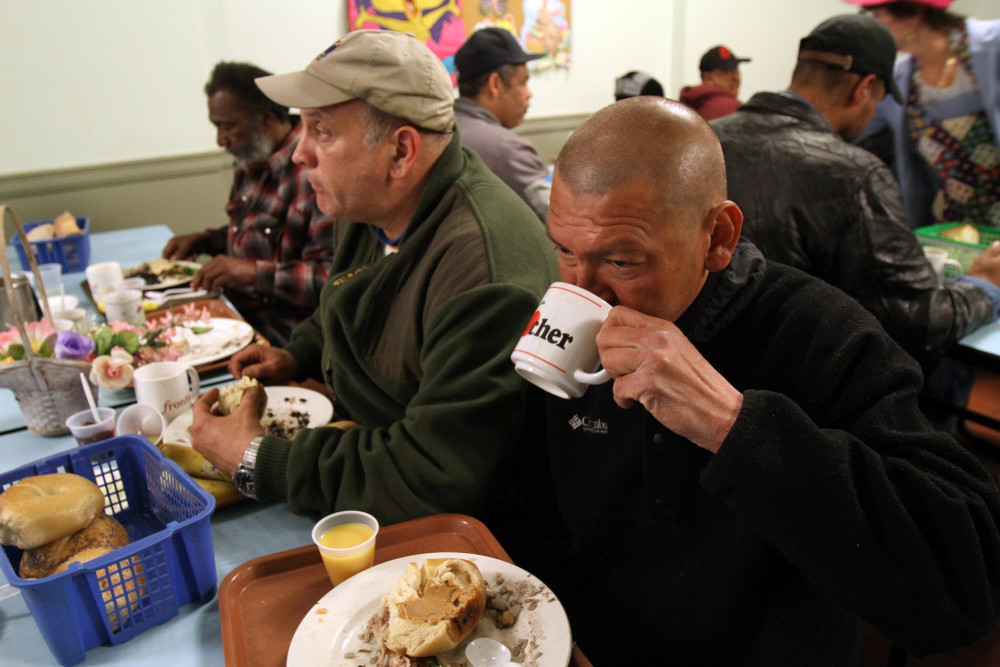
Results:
<point x="720" y="84"/>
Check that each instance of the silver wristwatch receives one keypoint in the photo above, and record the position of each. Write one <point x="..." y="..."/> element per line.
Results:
<point x="243" y="477"/>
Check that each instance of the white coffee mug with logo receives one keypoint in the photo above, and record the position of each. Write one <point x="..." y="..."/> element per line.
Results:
<point x="168" y="386"/>
<point x="558" y="349"/>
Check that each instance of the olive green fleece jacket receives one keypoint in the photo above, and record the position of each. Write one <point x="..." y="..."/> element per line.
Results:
<point x="416" y="346"/>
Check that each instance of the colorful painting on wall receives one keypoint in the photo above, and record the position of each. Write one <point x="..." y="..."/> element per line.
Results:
<point x="436" y="23"/>
<point x="543" y="26"/>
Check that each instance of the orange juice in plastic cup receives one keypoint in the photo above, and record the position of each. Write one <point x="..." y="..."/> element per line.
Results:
<point x="346" y="541"/>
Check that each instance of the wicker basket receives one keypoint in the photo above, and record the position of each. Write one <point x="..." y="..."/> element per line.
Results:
<point x="48" y="390"/>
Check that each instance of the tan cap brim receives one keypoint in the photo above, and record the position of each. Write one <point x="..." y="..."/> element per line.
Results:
<point x="301" y="90"/>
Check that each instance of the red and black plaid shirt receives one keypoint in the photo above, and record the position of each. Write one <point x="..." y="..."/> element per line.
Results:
<point x="275" y="222"/>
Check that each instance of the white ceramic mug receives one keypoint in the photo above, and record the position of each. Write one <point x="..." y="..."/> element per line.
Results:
<point x="168" y="386"/>
<point x="124" y="306"/>
<point x="558" y="349"/>
<point x="938" y="257"/>
<point x="101" y="278"/>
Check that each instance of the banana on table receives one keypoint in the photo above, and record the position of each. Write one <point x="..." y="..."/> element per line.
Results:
<point x="204" y="473"/>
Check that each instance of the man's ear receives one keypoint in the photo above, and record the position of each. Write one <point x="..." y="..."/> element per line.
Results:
<point x="405" y="149"/>
<point x="726" y="221"/>
<point x="864" y="90"/>
<point x="494" y="85"/>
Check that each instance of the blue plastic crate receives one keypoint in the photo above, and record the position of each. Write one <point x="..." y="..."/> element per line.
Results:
<point x="169" y="562"/>
<point x="73" y="252"/>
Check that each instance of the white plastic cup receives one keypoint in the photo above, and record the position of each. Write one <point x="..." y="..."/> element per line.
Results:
<point x="78" y="316"/>
<point x="86" y="430"/>
<point x="102" y="277"/>
<point x="350" y="556"/>
<point x="142" y="420"/>
<point x="124" y="306"/>
<point x="938" y="257"/>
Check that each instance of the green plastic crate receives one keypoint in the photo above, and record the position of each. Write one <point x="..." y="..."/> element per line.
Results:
<point x="964" y="252"/>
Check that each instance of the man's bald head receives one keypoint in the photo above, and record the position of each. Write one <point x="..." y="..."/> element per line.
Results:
<point x="646" y="138"/>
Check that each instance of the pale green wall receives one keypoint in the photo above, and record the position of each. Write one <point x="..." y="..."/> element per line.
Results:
<point x="103" y="110"/>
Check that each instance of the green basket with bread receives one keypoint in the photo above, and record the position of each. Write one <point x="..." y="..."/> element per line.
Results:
<point x="964" y="242"/>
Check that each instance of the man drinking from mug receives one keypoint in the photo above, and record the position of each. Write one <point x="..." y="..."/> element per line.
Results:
<point x="757" y="475"/>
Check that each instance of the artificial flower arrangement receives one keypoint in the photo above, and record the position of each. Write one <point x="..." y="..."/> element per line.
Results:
<point x="114" y="349"/>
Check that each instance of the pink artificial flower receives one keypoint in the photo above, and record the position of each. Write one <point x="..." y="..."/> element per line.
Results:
<point x="112" y="371"/>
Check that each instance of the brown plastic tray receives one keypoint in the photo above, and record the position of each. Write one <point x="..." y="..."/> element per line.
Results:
<point x="262" y="602"/>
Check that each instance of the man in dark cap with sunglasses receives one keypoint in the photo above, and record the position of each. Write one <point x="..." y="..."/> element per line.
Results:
<point x="493" y="99"/>
<point x="816" y="202"/>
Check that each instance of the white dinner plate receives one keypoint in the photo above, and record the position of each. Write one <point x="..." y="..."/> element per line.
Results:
<point x="165" y="283"/>
<point x="333" y="626"/>
<point x="279" y="399"/>
<point x="225" y="338"/>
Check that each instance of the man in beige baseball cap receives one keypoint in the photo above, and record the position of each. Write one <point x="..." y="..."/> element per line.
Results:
<point x="391" y="71"/>
<point x="437" y="267"/>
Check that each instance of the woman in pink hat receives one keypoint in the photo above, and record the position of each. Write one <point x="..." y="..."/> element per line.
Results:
<point x="947" y="134"/>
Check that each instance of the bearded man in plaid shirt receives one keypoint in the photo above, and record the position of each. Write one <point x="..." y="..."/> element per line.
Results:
<point x="273" y="258"/>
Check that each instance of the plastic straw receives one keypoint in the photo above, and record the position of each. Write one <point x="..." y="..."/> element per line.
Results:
<point x="90" y="398"/>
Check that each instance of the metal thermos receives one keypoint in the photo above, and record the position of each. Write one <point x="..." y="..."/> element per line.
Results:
<point x="24" y="298"/>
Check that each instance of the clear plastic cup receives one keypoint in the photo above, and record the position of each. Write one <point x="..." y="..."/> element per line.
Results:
<point x="51" y="275"/>
<point x="346" y="541"/>
<point x="86" y="430"/>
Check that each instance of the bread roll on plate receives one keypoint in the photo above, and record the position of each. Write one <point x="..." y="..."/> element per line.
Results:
<point x="435" y="606"/>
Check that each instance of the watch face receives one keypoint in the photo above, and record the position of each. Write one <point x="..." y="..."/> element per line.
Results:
<point x="243" y="479"/>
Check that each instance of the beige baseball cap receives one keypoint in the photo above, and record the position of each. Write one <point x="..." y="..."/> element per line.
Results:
<point x="392" y="71"/>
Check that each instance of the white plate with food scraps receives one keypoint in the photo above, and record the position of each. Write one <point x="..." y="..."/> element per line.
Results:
<point x="223" y="338"/>
<point x="331" y="632"/>
<point x="170" y="273"/>
<point x="283" y="403"/>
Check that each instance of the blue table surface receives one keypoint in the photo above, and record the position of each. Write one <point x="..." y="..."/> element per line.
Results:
<point x="240" y="532"/>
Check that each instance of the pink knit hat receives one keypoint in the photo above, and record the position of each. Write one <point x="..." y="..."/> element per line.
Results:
<point x="936" y="4"/>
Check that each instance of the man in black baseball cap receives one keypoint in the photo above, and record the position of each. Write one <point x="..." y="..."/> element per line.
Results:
<point x="853" y="43"/>
<point x="493" y="99"/>
<point x="813" y="200"/>
<point x="720" y="84"/>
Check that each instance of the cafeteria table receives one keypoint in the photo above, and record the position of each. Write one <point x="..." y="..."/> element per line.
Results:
<point x="242" y="531"/>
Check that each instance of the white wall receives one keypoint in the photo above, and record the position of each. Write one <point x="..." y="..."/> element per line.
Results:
<point x="88" y="82"/>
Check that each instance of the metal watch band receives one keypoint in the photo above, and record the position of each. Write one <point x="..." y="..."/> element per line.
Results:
<point x="243" y="478"/>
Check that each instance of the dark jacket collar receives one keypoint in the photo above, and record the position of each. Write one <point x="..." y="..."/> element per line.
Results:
<point x="725" y="295"/>
<point x="788" y="104"/>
